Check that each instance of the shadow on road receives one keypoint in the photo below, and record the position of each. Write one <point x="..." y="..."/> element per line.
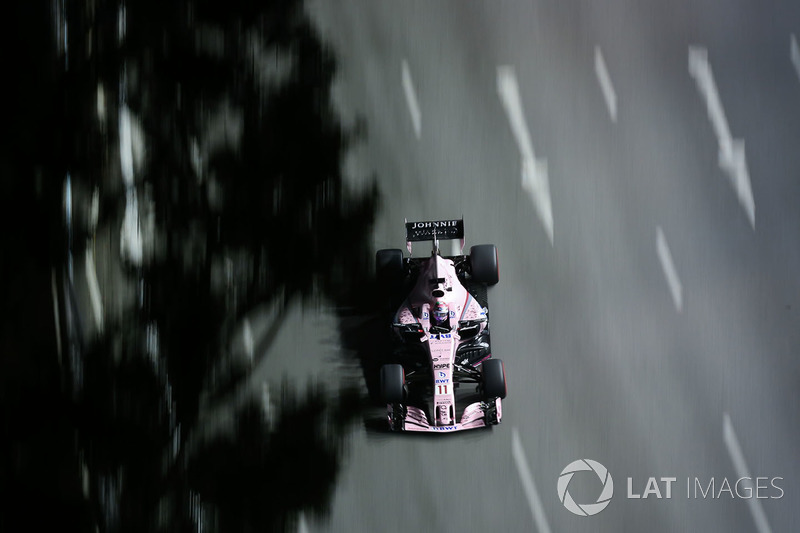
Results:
<point x="178" y="165"/>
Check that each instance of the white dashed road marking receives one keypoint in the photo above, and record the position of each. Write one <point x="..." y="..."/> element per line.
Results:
<point x="668" y="266"/>
<point x="605" y="83"/>
<point x="247" y="337"/>
<point x="411" y="100"/>
<point x="737" y="457"/>
<point x="302" y="527"/>
<point x="53" y="288"/>
<point x="794" y="52"/>
<point x="535" y="503"/>
<point x="534" y="172"/>
<point x="126" y="145"/>
<point x="731" y="151"/>
<point x="94" y="288"/>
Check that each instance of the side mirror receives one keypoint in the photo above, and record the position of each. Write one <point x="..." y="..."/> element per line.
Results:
<point x="409" y="332"/>
<point x="469" y="328"/>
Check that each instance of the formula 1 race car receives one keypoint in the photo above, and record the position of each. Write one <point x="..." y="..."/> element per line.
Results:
<point x="441" y="332"/>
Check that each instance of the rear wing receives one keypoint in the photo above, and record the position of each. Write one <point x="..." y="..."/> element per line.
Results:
<point x="434" y="230"/>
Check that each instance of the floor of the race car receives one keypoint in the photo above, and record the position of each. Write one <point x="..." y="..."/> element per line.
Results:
<point x="479" y="291"/>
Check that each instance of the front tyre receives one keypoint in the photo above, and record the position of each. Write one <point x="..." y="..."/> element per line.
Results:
<point x="393" y="384"/>
<point x="493" y="379"/>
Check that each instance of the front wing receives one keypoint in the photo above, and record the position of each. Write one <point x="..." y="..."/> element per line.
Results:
<point x="474" y="416"/>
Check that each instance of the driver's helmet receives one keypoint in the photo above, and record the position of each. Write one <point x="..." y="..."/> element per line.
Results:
<point x="441" y="313"/>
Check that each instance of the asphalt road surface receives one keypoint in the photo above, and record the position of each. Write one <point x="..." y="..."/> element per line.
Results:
<point x="637" y="165"/>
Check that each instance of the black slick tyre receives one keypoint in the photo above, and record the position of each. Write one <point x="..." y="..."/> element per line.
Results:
<point x="390" y="274"/>
<point x="393" y="380"/>
<point x="484" y="263"/>
<point x="493" y="379"/>
<point x="389" y="265"/>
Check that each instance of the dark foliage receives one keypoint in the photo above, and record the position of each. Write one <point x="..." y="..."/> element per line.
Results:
<point x="100" y="437"/>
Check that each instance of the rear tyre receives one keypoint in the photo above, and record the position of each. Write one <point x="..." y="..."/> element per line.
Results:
<point x="393" y="384"/>
<point x="390" y="273"/>
<point x="484" y="263"/>
<point x="389" y="265"/>
<point x="493" y="379"/>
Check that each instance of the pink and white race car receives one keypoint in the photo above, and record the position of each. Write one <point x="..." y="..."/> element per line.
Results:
<point x="442" y="331"/>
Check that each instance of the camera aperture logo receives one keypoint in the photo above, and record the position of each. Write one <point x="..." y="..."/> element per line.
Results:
<point x="585" y="509"/>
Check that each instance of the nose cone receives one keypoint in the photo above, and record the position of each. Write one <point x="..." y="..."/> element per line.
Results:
<point x="444" y="415"/>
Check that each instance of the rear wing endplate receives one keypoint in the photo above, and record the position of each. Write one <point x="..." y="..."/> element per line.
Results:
<point x="434" y="230"/>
